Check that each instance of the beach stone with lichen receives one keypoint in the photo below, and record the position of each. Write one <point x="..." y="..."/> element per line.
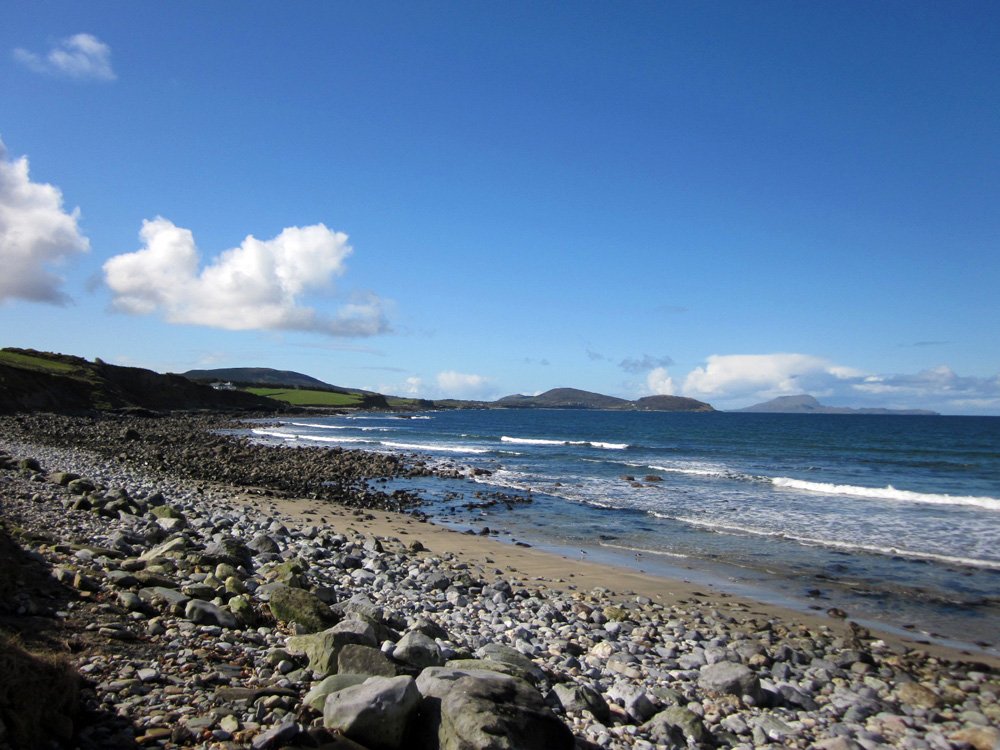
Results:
<point x="297" y="605"/>
<point x="486" y="710"/>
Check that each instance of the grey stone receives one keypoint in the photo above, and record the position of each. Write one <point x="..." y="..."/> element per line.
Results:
<point x="316" y="697"/>
<point x="417" y="650"/>
<point x="676" y="725"/>
<point x="729" y="678"/>
<point x="323" y="648"/>
<point x="276" y="736"/>
<point x="172" y="599"/>
<point x="201" y="612"/>
<point x="263" y="543"/>
<point x="367" y="660"/>
<point x="374" y="713"/>
<point x="582" y="698"/>
<point x="479" y="710"/>
<point x="299" y="606"/>
<point x="173" y="547"/>
<point x="634" y="699"/>
<point x="504" y="654"/>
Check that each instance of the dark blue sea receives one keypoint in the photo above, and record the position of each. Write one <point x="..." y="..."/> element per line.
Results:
<point x="894" y="519"/>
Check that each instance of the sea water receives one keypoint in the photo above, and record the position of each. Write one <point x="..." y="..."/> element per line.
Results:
<point x="895" y="519"/>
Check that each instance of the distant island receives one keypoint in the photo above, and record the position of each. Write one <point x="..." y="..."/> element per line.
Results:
<point x="806" y="404"/>
<point x="573" y="398"/>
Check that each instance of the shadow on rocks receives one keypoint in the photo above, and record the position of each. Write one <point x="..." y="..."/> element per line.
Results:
<point x="44" y="700"/>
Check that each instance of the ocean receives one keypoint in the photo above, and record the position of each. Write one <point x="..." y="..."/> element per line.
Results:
<point x="893" y="519"/>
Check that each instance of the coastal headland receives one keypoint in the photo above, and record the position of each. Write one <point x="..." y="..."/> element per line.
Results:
<point x="199" y="590"/>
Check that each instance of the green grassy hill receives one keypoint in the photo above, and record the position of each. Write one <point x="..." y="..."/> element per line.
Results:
<point x="42" y="381"/>
<point x="307" y="397"/>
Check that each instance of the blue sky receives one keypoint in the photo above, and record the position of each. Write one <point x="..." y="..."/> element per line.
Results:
<point x="731" y="201"/>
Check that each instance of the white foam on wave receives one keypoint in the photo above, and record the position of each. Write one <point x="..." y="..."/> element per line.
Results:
<point x="340" y="427"/>
<point x="545" y="441"/>
<point x="835" y="544"/>
<point x="434" y="447"/>
<point x="322" y="426"/>
<point x="690" y="471"/>
<point x="338" y="439"/>
<point x="886" y="493"/>
<point x="272" y="433"/>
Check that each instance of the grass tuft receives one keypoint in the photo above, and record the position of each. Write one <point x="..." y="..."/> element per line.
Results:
<point x="39" y="695"/>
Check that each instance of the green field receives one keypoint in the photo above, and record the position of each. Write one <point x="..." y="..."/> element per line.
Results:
<point x="303" y="397"/>
<point x="28" y="362"/>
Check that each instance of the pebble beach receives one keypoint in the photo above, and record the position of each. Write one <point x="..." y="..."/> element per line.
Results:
<point x="215" y="593"/>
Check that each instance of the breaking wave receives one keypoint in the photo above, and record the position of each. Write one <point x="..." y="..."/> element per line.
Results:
<point x="886" y="493"/>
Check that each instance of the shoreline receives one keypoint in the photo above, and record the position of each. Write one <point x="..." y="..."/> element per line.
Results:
<point x="538" y="566"/>
<point x="731" y="526"/>
<point x="622" y="659"/>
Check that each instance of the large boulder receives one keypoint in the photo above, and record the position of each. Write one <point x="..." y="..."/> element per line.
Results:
<point x="417" y="650"/>
<point x="316" y="697"/>
<point x="374" y="713"/>
<point x="299" y="606"/>
<point x="366" y="660"/>
<point x="481" y="710"/>
<point x="322" y="649"/>
<point x="228" y="551"/>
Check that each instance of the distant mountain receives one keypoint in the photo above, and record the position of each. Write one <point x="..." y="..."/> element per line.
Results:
<point x="264" y="376"/>
<point x="806" y="404"/>
<point x="42" y="381"/>
<point x="573" y="398"/>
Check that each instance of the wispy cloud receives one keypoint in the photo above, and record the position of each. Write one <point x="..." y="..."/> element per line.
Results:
<point x="532" y="361"/>
<point x="81" y="56"/>
<point x="645" y="363"/>
<point x="35" y="234"/>
<point x="596" y="356"/>
<point x="256" y="286"/>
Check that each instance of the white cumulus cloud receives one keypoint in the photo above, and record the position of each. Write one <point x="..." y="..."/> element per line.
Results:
<point x="258" y="285"/>
<point x="81" y="56"/>
<point x="463" y="385"/>
<point x="659" y="382"/>
<point x="35" y="234"/>
<point x="764" y="375"/>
